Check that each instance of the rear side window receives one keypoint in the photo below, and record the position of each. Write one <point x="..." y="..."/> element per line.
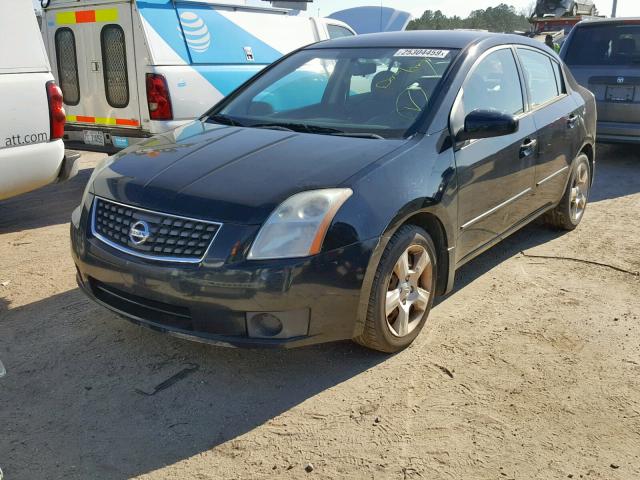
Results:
<point x="65" y="44"/>
<point x="494" y="84"/>
<point x="336" y="31"/>
<point x="540" y="76"/>
<point x="114" y="61"/>
<point x="559" y="77"/>
<point x="604" y="45"/>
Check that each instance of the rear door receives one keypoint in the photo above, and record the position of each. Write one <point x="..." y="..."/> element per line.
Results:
<point x="93" y="53"/>
<point x="605" y="58"/>
<point x="557" y="118"/>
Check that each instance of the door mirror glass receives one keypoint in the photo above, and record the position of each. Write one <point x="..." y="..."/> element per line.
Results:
<point x="487" y="124"/>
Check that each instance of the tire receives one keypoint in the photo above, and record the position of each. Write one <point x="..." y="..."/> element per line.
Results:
<point x="570" y="211"/>
<point x="387" y="331"/>
<point x="574" y="10"/>
<point x="593" y="12"/>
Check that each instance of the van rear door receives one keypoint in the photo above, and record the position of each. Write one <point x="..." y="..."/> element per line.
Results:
<point x="92" y="49"/>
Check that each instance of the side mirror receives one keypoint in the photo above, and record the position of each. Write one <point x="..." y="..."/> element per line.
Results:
<point x="487" y="124"/>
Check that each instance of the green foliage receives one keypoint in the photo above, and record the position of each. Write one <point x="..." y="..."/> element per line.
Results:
<point x="502" y="18"/>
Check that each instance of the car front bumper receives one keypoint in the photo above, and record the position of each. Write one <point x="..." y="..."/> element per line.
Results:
<point x="316" y="299"/>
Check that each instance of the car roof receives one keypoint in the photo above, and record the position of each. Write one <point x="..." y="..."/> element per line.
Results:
<point x="454" y="39"/>
<point x="609" y="21"/>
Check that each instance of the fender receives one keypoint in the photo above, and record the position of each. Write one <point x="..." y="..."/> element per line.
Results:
<point x="446" y="258"/>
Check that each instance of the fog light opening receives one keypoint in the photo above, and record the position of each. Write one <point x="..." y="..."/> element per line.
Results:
<point x="267" y="325"/>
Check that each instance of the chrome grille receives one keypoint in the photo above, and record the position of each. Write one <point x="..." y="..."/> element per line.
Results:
<point x="170" y="238"/>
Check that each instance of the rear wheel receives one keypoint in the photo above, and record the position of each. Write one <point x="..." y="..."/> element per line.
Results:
<point x="402" y="292"/>
<point x="574" y="10"/>
<point x="569" y="212"/>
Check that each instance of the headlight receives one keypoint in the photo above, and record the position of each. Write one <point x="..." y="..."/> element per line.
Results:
<point x="298" y="226"/>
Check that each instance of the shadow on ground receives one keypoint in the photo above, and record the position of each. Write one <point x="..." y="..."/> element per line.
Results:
<point x="70" y="406"/>
<point x="51" y="205"/>
<point x="82" y="367"/>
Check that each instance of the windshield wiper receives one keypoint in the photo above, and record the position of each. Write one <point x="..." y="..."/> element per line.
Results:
<point x="273" y="126"/>
<point x="340" y="133"/>
<point x="224" y="120"/>
<point x="317" y="129"/>
<point x="358" y="135"/>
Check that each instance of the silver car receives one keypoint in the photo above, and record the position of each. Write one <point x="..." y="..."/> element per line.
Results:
<point x="559" y="8"/>
<point x="604" y="56"/>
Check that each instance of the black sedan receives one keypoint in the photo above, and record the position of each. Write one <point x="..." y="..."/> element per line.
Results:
<point x="335" y="194"/>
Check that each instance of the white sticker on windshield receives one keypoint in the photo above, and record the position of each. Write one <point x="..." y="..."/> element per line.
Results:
<point x="422" y="52"/>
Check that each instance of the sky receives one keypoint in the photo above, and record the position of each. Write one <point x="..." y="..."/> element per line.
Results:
<point x="626" y="8"/>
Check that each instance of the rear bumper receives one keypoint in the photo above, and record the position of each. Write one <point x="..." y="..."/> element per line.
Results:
<point x="115" y="139"/>
<point x="215" y="301"/>
<point x="618" y="132"/>
<point x="28" y="167"/>
<point x="69" y="167"/>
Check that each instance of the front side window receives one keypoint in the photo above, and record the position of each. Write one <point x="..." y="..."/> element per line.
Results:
<point x="494" y="84"/>
<point x="539" y="75"/>
<point x="67" y="61"/>
<point x="114" y="60"/>
<point x="336" y="31"/>
<point x="378" y="91"/>
<point x="605" y="45"/>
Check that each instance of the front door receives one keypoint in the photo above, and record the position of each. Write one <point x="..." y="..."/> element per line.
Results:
<point x="495" y="175"/>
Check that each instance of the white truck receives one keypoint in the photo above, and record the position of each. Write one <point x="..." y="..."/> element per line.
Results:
<point x="32" y="123"/>
<point x="130" y="69"/>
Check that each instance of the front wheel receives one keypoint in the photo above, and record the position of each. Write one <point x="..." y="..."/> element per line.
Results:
<point x="569" y="212"/>
<point x="574" y="10"/>
<point x="402" y="292"/>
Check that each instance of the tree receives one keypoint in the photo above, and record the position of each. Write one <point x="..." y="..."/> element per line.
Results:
<point x="502" y="18"/>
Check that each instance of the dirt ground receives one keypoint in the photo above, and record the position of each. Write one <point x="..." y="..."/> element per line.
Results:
<point x="530" y="369"/>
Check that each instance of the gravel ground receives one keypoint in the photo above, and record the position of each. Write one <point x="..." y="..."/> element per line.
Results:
<point x="530" y="369"/>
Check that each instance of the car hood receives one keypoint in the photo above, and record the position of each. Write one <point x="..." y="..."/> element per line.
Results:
<point x="232" y="174"/>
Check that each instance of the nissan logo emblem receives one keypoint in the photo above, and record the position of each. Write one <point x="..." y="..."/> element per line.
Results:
<point x="139" y="232"/>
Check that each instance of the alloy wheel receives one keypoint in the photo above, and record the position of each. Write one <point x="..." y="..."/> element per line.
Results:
<point x="579" y="192"/>
<point x="409" y="290"/>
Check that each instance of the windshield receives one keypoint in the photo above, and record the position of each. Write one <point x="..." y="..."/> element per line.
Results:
<point x="605" y="45"/>
<point x="369" y="92"/>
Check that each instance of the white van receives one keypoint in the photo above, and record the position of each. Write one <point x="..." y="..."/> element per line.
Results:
<point x="133" y="68"/>
<point x="32" y="122"/>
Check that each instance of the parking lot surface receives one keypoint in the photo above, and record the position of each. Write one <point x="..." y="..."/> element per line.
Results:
<point x="530" y="369"/>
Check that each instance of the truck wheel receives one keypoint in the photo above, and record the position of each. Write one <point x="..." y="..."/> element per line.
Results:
<point x="569" y="212"/>
<point x="402" y="292"/>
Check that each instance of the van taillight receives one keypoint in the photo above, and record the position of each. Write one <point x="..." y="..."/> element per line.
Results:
<point x="158" y="97"/>
<point x="57" y="114"/>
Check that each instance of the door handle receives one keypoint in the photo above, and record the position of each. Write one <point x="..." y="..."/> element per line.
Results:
<point x="528" y="148"/>
<point x="572" y="120"/>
